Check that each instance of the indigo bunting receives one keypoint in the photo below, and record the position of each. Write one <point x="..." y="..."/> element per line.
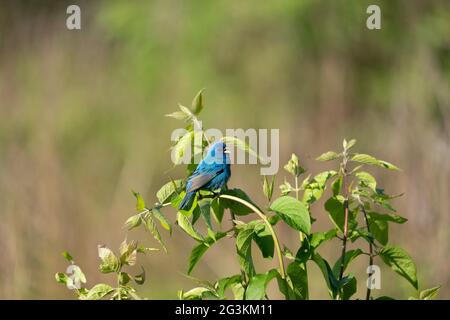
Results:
<point x="212" y="173"/>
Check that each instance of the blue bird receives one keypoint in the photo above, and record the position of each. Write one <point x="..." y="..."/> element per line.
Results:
<point x="212" y="173"/>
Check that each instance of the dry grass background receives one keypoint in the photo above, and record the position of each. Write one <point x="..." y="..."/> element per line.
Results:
<point x="82" y="121"/>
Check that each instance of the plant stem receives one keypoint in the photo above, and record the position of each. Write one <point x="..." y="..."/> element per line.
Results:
<point x="344" y="240"/>
<point x="370" y="249"/>
<point x="264" y="218"/>
<point x="243" y="274"/>
<point x="296" y="196"/>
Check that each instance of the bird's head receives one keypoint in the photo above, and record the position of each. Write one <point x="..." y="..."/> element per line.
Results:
<point x="218" y="154"/>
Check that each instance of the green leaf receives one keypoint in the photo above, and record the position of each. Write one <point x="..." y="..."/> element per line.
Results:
<point x="349" y="288"/>
<point x="318" y="238"/>
<point x="133" y="221"/>
<point x="67" y="256"/>
<point x="268" y="187"/>
<point x="335" y="207"/>
<point x="429" y="294"/>
<point x="236" y="207"/>
<point x="197" y="102"/>
<point x="151" y="226"/>
<point x="350" y="144"/>
<point x="327" y="156"/>
<point x="349" y="257"/>
<point x="367" y="179"/>
<point x="293" y="212"/>
<point x="286" y="188"/>
<point x="299" y="278"/>
<point x="99" y="291"/>
<point x="232" y="142"/>
<point x="179" y="115"/>
<point x="225" y="283"/>
<point x="315" y="188"/>
<point x="399" y="261"/>
<point x="257" y="285"/>
<point x="197" y="293"/>
<point x="128" y="252"/>
<point x="367" y="159"/>
<point x="61" y="277"/>
<point x="165" y="223"/>
<point x="293" y="167"/>
<point x="181" y="146"/>
<point x="109" y="263"/>
<point x="380" y="230"/>
<point x="244" y="248"/>
<point x="124" y="278"/>
<point x="140" y="203"/>
<point x="199" y="250"/>
<point x="264" y="240"/>
<point x="336" y="186"/>
<point x="166" y="192"/>
<point x="217" y="209"/>
<point x="140" y="278"/>
<point x="205" y="210"/>
<point x="187" y="227"/>
<point x="238" y="291"/>
<point x="387" y="217"/>
<point x="387" y="165"/>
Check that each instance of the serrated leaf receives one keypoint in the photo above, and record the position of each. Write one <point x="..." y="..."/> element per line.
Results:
<point x="264" y="241"/>
<point x="217" y="209"/>
<point x="367" y="179"/>
<point x="223" y="284"/>
<point x="387" y="217"/>
<point x="293" y="166"/>
<point x="299" y="278"/>
<point x="99" y="291"/>
<point x="133" y="221"/>
<point x="328" y="156"/>
<point x="167" y="190"/>
<point x="61" y="277"/>
<point x="244" y="249"/>
<point x="293" y="212"/>
<point x="380" y="230"/>
<point x="368" y="159"/>
<point x="151" y="226"/>
<point x="236" y="207"/>
<point x="165" y="223"/>
<point x="257" y="285"/>
<point x="268" y="187"/>
<point x="429" y="294"/>
<point x="400" y="261"/>
<point x="349" y="257"/>
<point x="123" y="278"/>
<point x="140" y="203"/>
<point x="109" y="261"/>
<point x="183" y="144"/>
<point x="67" y="256"/>
<point x="187" y="227"/>
<point x="197" y="102"/>
<point x="199" y="250"/>
<point x="128" y="252"/>
<point x="140" y="278"/>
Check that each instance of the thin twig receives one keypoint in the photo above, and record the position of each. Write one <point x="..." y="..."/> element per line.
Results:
<point x="370" y="249"/>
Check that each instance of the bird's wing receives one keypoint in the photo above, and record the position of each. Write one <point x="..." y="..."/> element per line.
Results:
<point x="199" y="180"/>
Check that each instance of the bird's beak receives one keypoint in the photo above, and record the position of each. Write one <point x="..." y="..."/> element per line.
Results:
<point x="226" y="151"/>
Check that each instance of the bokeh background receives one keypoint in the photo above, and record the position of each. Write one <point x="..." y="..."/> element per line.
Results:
<point x="82" y="122"/>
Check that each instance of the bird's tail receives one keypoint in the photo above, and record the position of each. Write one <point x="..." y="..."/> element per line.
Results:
<point x="186" y="201"/>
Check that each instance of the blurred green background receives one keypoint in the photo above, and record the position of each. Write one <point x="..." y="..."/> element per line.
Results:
<point x="82" y="122"/>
